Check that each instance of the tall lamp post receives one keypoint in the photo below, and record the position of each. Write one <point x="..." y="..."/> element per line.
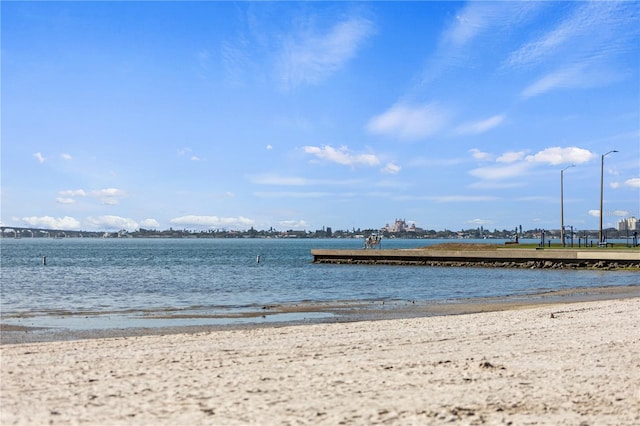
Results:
<point x="562" y="203"/>
<point x="600" y="234"/>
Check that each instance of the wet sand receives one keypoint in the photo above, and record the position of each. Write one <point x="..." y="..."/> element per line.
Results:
<point x="555" y="361"/>
<point x="304" y="313"/>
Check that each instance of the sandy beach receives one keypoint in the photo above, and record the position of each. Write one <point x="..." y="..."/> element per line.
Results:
<point x="571" y="363"/>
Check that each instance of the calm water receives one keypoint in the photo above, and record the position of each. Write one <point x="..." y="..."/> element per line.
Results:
<point x="113" y="283"/>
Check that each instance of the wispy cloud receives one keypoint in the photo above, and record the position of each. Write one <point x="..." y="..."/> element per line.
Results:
<point x="341" y="155"/>
<point x="108" y="196"/>
<point x="579" y="76"/>
<point x="511" y="156"/>
<point x="480" y="155"/>
<point x="446" y="198"/>
<point x="463" y="198"/>
<point x="477" y="22"/>
<point x="409" y="122"/>
<point x="187" y="152"/>
<point x="500" y="172"/>
<point x="292" y="194"/>
<point x="479" y="222"/>
<point x="594" y="29"/>
<point x="271" y="179"/>
<point x="279" y="180"/>
<point x="477" y="18"/>
<point x="479" y="127"/>
<point x="581" y="48"/>
<point x="39" y="157"/>
<point x="391" y="168"/>
<point x="310" y="56"/>
<point x="150" y="223"/>
<point x="495" y="184"/>
<point x="294" y="224"/>
<point x="616" y="213"/>
<point x="212" y="221"/>
<point x="65" y="200"/>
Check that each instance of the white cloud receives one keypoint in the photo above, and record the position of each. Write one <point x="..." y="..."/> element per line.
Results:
<point x="269" y="147"/>
<point x="391" y="168"/>
<point x="294" y="224"/>
<point x="510" y="157"/>
<point x="342" y="156"/>
<point x="479" y="222"/>
<point x="558" y="155"/>
<point x="292" y="194"/>
<point x="463" y="198"/>
<point x="614" y="185"/>
<point x="63" y="200"/>
<point x="108" y="192"/>
<point x="495" y="185"/>
<point x="516" y="163"/>
<point x="479" y="127"/>
<point x="269" y="179"/>
<point x="48" y="222"/>
<point x="212" y="222"/>
<point x="480" y="155"/>
<point x="274" y="179"/>
<point x="150" y="223"/>
<point x="500" y="172"/>
<point x="108" y="196"/>
<point x="112" y="223"/>
<point x="409" y="122"/>
<point x="620" y="213"/>
<point x="309" y="57"/>
<point x="73" y="193"/>
<point x="67" y="157"/>
<point x="188" y="152"/>
<point x="39" y="157"/>
<point x="632" y="183"/>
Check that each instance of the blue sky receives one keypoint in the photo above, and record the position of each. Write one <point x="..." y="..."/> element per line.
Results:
<point x="302" y="115"/>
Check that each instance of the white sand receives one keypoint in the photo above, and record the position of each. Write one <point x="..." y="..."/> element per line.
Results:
<point x="522" y="366"/>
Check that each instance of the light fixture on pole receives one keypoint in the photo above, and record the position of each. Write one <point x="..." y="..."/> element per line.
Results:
<point x="600" y="234"/>
<point x="562" y="203"/>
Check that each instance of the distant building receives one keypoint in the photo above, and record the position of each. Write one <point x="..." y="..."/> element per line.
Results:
<point x="629" y="224"/>
<point x="400" y="225"/>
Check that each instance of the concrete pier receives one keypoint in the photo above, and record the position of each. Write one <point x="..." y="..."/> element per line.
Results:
<point x="499" y="257"/>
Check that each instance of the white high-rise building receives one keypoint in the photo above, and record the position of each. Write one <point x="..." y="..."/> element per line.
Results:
<point x="631" y="224"/>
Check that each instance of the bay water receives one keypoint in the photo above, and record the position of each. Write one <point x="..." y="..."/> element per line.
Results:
<point x="119" y="283"/>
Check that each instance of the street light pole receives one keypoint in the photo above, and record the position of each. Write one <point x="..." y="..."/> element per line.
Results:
<point x="562" y="203"/>
<point x="600" y="234"/>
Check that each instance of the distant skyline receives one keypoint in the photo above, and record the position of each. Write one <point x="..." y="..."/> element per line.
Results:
<point x="299" y="115"/>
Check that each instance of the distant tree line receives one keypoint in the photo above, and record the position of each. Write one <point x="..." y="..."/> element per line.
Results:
<point x="325" y="232"/>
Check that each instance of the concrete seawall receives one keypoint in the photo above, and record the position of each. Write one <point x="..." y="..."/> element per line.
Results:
<point x="500" y="257"/>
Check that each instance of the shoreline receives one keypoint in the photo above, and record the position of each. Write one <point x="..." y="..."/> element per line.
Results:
<point x="564" y="364"/>
<point x="337" y="312"/>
